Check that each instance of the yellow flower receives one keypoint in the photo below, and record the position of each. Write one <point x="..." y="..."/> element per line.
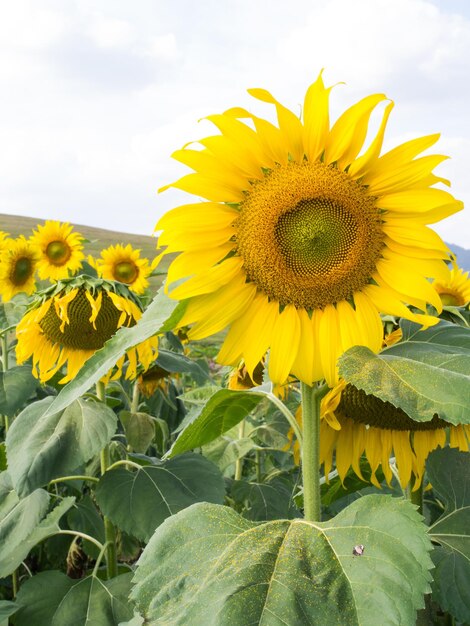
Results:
<point x="61" y="250"/>
<point x="18" y="262"/>
<point x="71" y="320"/>
<point x="155" y="377"/>
<point x="240" y="380"/>
<point x="456" y="290"/>
<point x="365" y="424"/>
<point x="4" y="239"/>
<point x="303" y="239"/>
<point x="124" y="265"/>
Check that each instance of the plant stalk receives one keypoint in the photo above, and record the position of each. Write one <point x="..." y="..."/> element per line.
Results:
<point x="311" y="399"/>
<point x="239" y="462"/>
<point x="109" y="530"/>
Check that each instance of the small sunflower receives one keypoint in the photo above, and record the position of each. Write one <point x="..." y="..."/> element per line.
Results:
<point x="303" y="239"/>
<point x="71" y="320"/>
<point x="61" y="250"/>
<point x="18" y="263"/>
<point x="456" y="290"/>
<point x="155" y="377"/>
<point x="124" y="265"/>
<point x="354" y="423"/>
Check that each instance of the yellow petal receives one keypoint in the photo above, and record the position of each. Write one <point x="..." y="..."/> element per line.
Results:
<point x="209" y="281"/>
<point x="401" y="178"/>
<point x="207" y="164"/>
<point x="302" y="367"/>
<point x="330" y="344"/>
<point x="186" y="263"/>
<point x="362" y="164"/>
<point x="284" y="344"/>
<point x="206" y="187"/>
<point x="199" y="216"/>
<point x="349" y="131"/>
<point x="316" y="118"/>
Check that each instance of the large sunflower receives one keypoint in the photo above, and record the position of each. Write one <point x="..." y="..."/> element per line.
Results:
<point x="123" y="263"/>
<point x="61" y="250"/>
<point x="18" y="262"/>
<point x="456" y="290"/>
<point x="354" y="423"/>
<point x="302" y="240"/>
<point x="71" y="320"/>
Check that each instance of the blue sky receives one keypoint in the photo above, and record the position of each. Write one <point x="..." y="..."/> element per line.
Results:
<point x="97" y="94"/>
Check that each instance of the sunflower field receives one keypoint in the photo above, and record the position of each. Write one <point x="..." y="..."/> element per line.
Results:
<point x="280" y="434"/>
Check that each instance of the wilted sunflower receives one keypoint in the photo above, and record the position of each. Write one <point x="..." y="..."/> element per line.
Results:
<point x="456" y="290"/>
<point x="354" y="423"/>
<point x="302" y="240"/>
<point x="61" y="250"/>
<point x="71" y="320"/>
<point x="18" y="263"/>
<point x="124" y="265"/>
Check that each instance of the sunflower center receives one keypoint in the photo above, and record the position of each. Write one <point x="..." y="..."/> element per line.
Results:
<point x="368" y="409"/>
<point x="452" y="299"/>
<point x="80" y="334"/>
<point x="309" y="235"/>
<point x="125" y="272"/>
<point x="21" y="271"/>
<point x="58" y="252"/>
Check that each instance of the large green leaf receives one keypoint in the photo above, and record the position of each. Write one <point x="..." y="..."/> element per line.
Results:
<point x="141" y="500"/>
<point x="16" y="386"/>
<point x="208" y="566"/>
<point x="54" y="599"/>
<point x="42" y="446"/>
<point x="12" y="554"/>
<point x="426" y="374"/>
<point x="449" y="473"/>
<point x="224" y="409"/>
<point x="139" y="429"/>
<point x="84" y="517"/>
<point x="7" y="608"/>
<point x="18" y="518"/>
<point x="161" y="315"/>
<point x="175" y="362"/>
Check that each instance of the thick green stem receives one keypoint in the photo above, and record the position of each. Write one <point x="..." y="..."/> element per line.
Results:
<point x="239" y="462"/>
<point x="311" y="399"/>
<point x="109" y="530"/>
<point x="135" y="398"/>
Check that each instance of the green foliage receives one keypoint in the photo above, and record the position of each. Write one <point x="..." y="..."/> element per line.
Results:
<point x="85" y="517"/>
<point x="42" y="446"/>
<point x="223" y="410"/>
<point x="139" y="501"/>
<point x="264" y="501"/>
<point x="16" y="387"/>
<point x="426" y="374"/>
<point x="286" y="572"/>
<point x="139" y="429"/>
<point x="449" y="473"/>
<point x="53" y="598"/>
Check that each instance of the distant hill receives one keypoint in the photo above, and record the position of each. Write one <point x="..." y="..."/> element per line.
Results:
<point x="463" y="256"/>
<point x="98" y="238"/>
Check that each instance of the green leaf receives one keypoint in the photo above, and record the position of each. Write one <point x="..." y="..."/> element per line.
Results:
<point x="14" y="553"/>
<point x="16" y="386"/>
<point x="173" y="362"/>
<point x="449" y="473"/>
<point x="225" y="451"/>
<point x="42" y="446"/>
<point x="7" y="608"/>
<point x="426" y="374"/>
<point x="161" y="315"/>
<point x="54" y="599"/>
<point x="208" y="565"/>
<point x="265" y="501"/>
<point x="224" y="409"/>
<point x="18" y="518"/>
<point x="139" y="429"/>
<point x="84" y="517"/>
<point x="11" y="312"/>
<point x="138" y="502"/>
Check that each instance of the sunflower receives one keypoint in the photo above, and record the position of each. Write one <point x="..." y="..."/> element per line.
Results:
<point x="68" y="322"/>
<point x="4" y="239"/>
<point x="456" y="290"/>
<point x="18" y="262"/>
<point x="61" y="250"/>
<point x="155" y="377"/>
<point x="354" y="423"/>
<point x="124" y="265"/>
<point x="302" y="241"/>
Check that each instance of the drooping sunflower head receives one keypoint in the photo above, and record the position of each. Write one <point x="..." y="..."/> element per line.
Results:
<point x="305" y="236"/>
<point x="124" y="264"/>
<point x="456" y="290"/>
<point x="155" y="377"/>
<point x="364" y="424"/>
<point x="18" y="263"/>
<point x="61" y="250"/>
<point x="71" y="320"/>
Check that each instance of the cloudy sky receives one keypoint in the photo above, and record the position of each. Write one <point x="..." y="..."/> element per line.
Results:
<point x="97" y="94"/>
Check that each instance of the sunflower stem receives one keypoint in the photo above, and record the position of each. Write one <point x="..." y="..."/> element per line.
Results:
<point x="135" y="398"/>
<point x="239" y="462"/>
<point x="109" y="530"/>
<point x="311" y="399"/>
<point x="4" y="338"/>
